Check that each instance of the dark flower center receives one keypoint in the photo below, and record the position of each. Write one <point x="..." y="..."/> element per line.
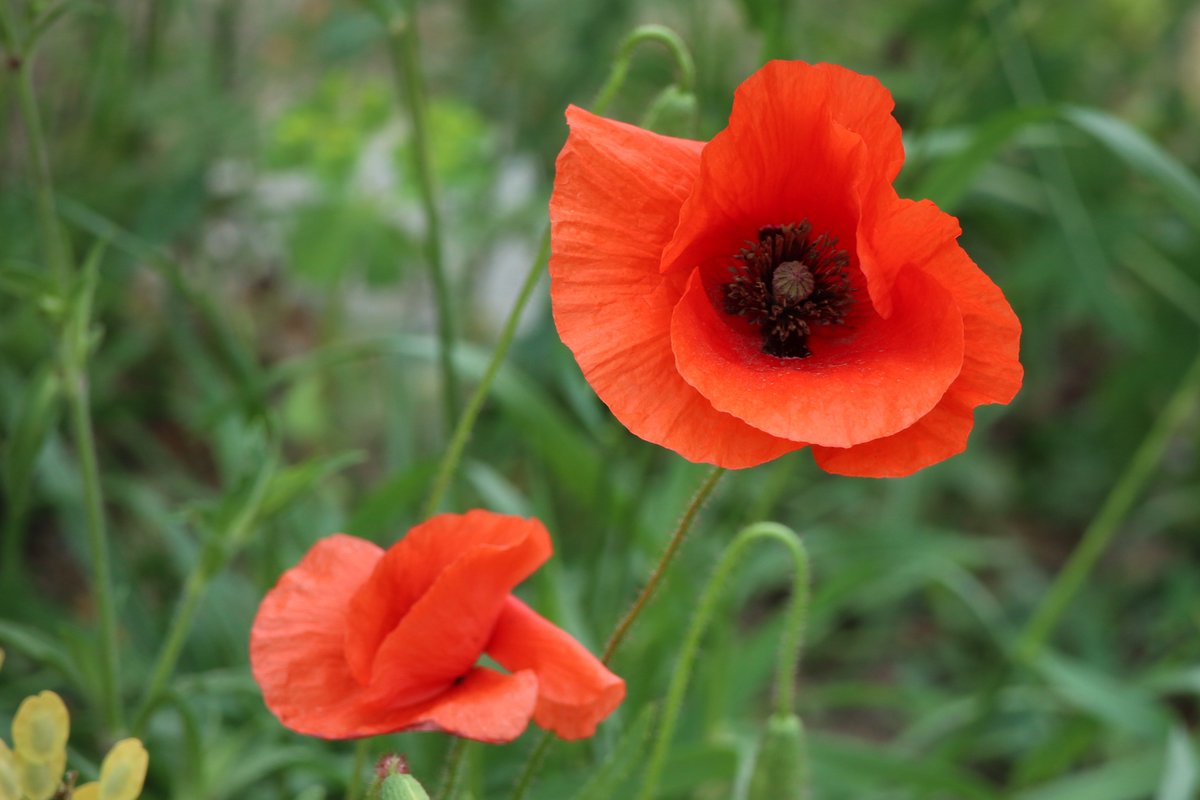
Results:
<point x="786" y="283"/>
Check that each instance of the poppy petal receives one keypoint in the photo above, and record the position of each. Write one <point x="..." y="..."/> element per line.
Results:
<point x="575" y="691"/>
<point x="883" y="376"/>
<point x="991" y="371"/>
<point x="617" y="195"/>
<point x="781" y="160"/>
<point x="296" y="642"/>
<point x="407" y="571"/>
<point x="486" y="705"/>
<point x="443" y="633"/>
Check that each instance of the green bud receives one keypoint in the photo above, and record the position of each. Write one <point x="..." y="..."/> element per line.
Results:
<point x="781" y="764"/>
<point x="400" y="787"/>
<point x="674" y="113"/>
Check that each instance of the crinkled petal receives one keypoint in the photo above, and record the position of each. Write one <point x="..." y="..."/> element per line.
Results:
<point x="575" y="691"/>
<point x="444" y="632"/>
<point x="991" y="371"/>
<point x="486" y="705"/>
<point x="296" y="642"/>
<point x="781" y="160"/>
<point x="804" y="142"/>
<point x="617" y="195"/>
<point x="296" y="654"/>
<point x="870" y="378"/>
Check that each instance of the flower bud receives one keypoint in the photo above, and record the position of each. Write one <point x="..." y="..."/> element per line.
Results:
<point x="781" y="764"/>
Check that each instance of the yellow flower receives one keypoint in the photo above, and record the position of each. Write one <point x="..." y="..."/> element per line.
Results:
<point x="121" y="775"/>
<point x="41" y="727"/>
<point x="9" y="788"/>
<point x="39" y="780"/>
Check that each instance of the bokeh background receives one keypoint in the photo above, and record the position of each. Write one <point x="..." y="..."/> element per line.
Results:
<point x="267" y="375"/>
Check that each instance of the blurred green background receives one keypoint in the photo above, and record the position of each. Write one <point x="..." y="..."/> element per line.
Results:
<point x="266" y="375"/>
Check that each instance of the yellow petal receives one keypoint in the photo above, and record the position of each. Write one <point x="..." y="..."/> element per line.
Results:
<point x="89" y="791"/>
<point x="41" y="727"/>
<point x="9" y="788"/>
<point x="39" y="780"/>
<point x="123" y="771"/>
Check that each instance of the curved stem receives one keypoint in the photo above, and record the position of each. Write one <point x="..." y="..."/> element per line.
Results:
<point x="792" y="640"/>
<point x="406" y="62"/>
<point x="1104" y="525"/>
<point x="462" y="431"/>
<point x="620" y="68"/>
<point x="660" y="569"/>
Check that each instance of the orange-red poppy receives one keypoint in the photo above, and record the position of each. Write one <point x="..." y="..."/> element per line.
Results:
<point x="768" y="290"/>
<point x="356" y="640"/>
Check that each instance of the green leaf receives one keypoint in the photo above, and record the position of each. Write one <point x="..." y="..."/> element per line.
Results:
<point x="860" y="769"/>
<point x="288" y="484"/>
<point x="26" y="281"/>
<point x="388" y="508"/>
<point x="608" y="777"/>
<point x="1143" y="156"/>
<point x="955" y="174"/>
<point x="1118" y="703"/>
<point x="36" y="417"/>
<point x="1181" y="772"/>
<point x="40" y="648"/>
<point x="1129" y="778"/>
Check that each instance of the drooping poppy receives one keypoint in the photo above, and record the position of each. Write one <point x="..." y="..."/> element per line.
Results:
<point x="769" y="290"/>
<point x="356" y="640"/>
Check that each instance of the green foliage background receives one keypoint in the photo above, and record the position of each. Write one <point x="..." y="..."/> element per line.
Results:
<point x="267" y="375"/>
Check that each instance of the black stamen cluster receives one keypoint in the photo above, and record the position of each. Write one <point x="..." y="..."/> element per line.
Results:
<point x="786" y="283"/>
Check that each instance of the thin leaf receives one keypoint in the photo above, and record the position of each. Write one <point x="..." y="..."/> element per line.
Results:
<point x="608" y="777"/>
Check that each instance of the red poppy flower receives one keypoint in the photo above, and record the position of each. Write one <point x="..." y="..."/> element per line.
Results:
<point x="356" y="640"/>
<point x="768" y="290"/>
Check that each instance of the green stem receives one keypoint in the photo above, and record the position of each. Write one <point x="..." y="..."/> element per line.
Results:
<point x="406" y="62"/>
<point x="57" y="247"/>
<point x="354" y="788"/>
<point x="75" y="381"/>
<point x="452" y="772"/>
<point x="1105" y="524"/>
<point x="620" y="68"/>
<point x="532" y="765"/>
<point x="74" y="349"/>
<point x="622" y="629"/>
<point x="462" y="431"/>
<point x="168" y="655"/>
<point x="660" y="569"/>
<point x="789" y="657"/>
<point x="221" y="545"/>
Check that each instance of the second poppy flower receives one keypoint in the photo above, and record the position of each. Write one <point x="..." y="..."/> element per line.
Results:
<point x="357" y="641"/>
<point x="768" y="290"/>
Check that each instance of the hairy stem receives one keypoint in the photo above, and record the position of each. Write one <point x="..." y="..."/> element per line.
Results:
<point x="462" y="431"/>
<point x="790" y="644"/>
<point x="660" y="569"/>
